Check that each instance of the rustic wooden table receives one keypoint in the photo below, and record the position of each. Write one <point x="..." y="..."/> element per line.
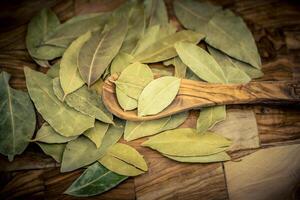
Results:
<point x="266" y="162"/>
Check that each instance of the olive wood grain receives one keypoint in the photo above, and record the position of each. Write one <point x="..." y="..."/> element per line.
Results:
<point x="196" y="94"/>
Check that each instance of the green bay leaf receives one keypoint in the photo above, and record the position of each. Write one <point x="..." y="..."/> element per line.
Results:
<point x="98" y="52"/>
<point x="218" y="157"/>
<point x="47" y="134"/>
<point x="187" y="142"/>
<point x="60" y="116"/>
<point x="17" y="119"/>
<point x="200" y="62"/>
<point x="163" y="49"/>
<point x="85" y="101"/>
<point x="209" y="117"/>
<point x="97" y="133"/>
<point x="95" y="180"/>
<point x="53" y="150"/>
<point x="157" y="95"/>
<point x="70" y="78"/>
<point x="82" y="151"/>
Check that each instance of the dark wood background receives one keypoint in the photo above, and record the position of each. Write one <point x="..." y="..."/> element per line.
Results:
<point x="275" y="25"/>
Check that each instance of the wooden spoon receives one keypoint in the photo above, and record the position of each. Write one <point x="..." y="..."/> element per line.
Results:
<point x="196" y="94"/>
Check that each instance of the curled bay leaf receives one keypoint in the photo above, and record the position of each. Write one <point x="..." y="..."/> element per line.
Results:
<point x="120" y="62"/>
<point x="194" y="15"/>
<point x="60" y="116"/>
<point x="69" y="76"/>
<point x="157" y="95"/>
<point x="209" y="117"/>
<point x="53" y="150"/>
<point x="133" y="79"/>
<point x="230" y="34"/>
<point x="179" y="66"/>
<point x="218" y="157"/>
<point x="135" y="130"/>
<point x="124" y="160"/>
<point x="65" y="33"/>
<point x="17" y="119"/>
<point x="187" y="142"/>
<point x="82" y="151"/>
<point x="39" y="26"/>
<point x="163" y="49"/>
<point x="84" y="101"/>
<point x="47" y="134"/>
<point x="97" y="133"/>
<point x="200" y="62"/>
<point x="95" y="180"/>
<point x="97" y="53"/>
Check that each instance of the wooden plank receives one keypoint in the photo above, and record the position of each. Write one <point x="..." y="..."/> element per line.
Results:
<point x="167" y="179"/>
<point x="270" y="173"/>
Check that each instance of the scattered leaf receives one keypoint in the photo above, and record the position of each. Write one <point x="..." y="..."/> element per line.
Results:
<point x="209" y="117"/>
<point x="97" y="133"/>
<point x="120" y="62"/>
<point x="179" y="66"/>
<point x="54" y="70"/>
<point x="53" y="150"/>
<point x="156" y="12"/>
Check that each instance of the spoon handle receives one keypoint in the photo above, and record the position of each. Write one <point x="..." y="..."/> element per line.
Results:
<point x="207" y="94"/>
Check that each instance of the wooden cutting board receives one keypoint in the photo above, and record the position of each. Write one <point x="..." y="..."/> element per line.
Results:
<point x="265" y="154"/>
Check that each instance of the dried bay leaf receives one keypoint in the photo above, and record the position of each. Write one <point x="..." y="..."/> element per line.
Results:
<point x="156" y="12"/>
<point x="195" y="15"/>
<point x="133" y="79"/>
<point x="227" y="63"/>
<point x="17" y="119"/>
<point x="163" y="49"/>
<point x="53" y="150"/>
<point x="120" y="62"/>
<point x="218" y="157"/>
<point x="54" y="70"/>
<point x="119" y="166"/>
<point x="209" y="117"/>
<point x="60" y="116"/>
<point x="126" y="102"/>
<point x="70" y="78"/>
<point x="230" y="34"/>
<point x="97" y="86"/>
<point x="47" y="134"/>
<point x="97" y="53"/>
<point x="84" y="101"/>
<point x="200" y="62"/>
<point x="96" y="134"/>
<point x="95" y="180"/>
<point x="65" y="33"/>
<point x="82" y="151"/>
<point x="157" y="95"/>
<point x="179" y="66"/>
<point x="135" y="130"/>
<point x="187" y="142"/>
<point x="39" y="26"/>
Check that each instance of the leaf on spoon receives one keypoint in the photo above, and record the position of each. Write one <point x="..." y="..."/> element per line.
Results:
<point x="97" y="133"/>
<point x="187" y="142"/>
<point x="135" y="130"/>
<point x="157" y="95"/>
<point x="124" y="160"/>
<point x="17" y="119"/>
<point x="82" y="151"/>
<point x="60" y="116"/>
<point x="126" y="102"/>
<point x="47" y="134"/>
<point x="163" y="49"/>
<point x="53" y="150"/>
<point x="200" y="62"/>
<point x="85" y="101"/>
<point x="209" y="117"/>
<point x="97" y="53"/>
<point x="70" y="78"/>
<point x="120" y="62"/>
<point x="95" y="180"/>
<point x="39" y="26"/>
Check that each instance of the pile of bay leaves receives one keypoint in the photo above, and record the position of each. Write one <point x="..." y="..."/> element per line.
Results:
<point x="216" y="46"/>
